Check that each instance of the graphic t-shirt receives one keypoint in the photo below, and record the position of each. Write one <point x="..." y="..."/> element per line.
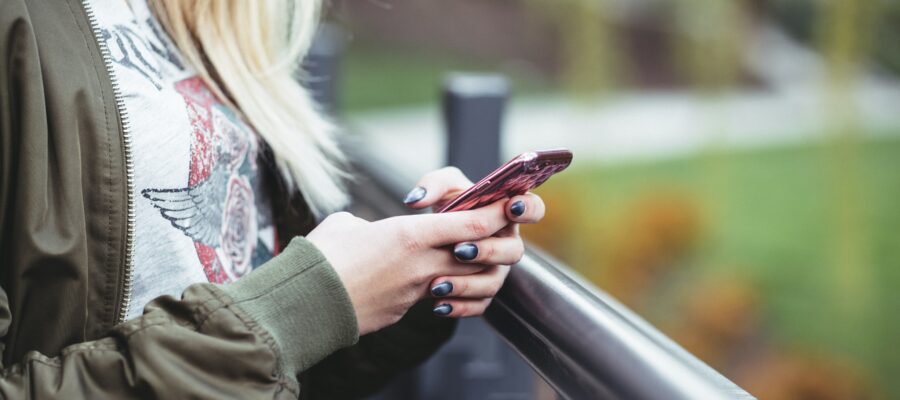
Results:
<point x="201" y="212"/>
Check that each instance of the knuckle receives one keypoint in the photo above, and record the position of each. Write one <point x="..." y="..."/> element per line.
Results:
<point x="461" y="309"/>
<point x="486" y="252"/>
<point x="463" y="286"/>
<point x="413" y="275"/>
<point x="517" y="258"/>
<point x="457" y="176"/>
<point x="452" y="170"/>
<point x="411" y="298"/>
<point x="420" y="277"/>
<point x="477" y="309"/>
<point x="406" y="238"/>
<point x="416" y="278"/>
<point x="339" y="216"/>
<point x="396" y="316"/>
<point x="477" y="228"/>
<point x="519" y="251"/>
<point x="495" y="287"/>
<point x="429" y="177"/>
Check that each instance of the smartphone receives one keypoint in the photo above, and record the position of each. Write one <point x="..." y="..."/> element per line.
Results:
<point x="519" y="175"/>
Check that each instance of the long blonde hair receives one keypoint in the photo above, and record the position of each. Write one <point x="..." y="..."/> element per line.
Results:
<point x="247" y="52"/>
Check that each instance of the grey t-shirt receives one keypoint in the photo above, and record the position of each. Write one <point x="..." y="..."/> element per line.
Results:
<point x="201" y="212"/>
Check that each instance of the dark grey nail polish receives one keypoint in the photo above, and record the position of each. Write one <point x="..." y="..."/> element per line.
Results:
<point x="517" y="208"/>
<point x="443" y="310"/>
<point x="442" y="289"/>
<point x="415" y="195"/>
<point x="465" y="252"/>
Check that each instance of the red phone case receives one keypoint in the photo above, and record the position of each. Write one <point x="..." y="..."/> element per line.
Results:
<point x="519" y="175"/>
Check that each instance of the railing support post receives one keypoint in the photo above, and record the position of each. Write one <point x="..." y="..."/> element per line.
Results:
<point x="473" y="113"/>
<point x="476" y="363"/>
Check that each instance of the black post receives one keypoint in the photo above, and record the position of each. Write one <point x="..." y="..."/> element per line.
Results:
<point x="475" y="364"/>
<point x="473" y="111"/>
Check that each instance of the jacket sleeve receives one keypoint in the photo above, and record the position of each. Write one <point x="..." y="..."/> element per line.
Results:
<point x="365" y="368"/>
<point x="245" y="340"/>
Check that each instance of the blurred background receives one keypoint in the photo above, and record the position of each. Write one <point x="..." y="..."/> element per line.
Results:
<point x="737" y="163"/>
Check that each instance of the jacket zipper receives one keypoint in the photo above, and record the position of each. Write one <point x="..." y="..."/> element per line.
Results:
<point x="129" y="164"/>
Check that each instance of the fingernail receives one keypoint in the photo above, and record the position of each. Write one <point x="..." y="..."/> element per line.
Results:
<point x="517" y="208"/>
<point x="415" y="195"/>
<point x="443" y="310"/>
<point x="442" y="289"/>
<point x="465" y="252"/>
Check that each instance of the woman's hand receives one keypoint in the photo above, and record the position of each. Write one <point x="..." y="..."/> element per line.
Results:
<point x="465" y="295"/>
<point x="386" y="265"/>
<point x="389" y="265"/>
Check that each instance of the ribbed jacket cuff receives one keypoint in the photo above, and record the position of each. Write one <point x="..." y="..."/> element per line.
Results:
<point x="300" y="300"/>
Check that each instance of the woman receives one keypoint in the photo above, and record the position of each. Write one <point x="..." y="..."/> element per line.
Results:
<point x="154" y="239"/>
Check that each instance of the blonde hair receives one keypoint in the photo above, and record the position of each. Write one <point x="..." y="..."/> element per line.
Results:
<point x="248" y="52"/>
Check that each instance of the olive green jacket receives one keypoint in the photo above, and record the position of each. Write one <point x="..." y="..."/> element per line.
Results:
<point x="65" y="239"/>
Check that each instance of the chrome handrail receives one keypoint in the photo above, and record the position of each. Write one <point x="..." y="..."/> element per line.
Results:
<point x="584" y="343"/>
<point x="587" y="345"/>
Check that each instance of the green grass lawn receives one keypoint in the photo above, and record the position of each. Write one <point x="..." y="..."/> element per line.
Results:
<point x="816" y="228"/>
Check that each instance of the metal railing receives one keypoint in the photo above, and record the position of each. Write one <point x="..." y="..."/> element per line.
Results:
<point x="582" y="342"/>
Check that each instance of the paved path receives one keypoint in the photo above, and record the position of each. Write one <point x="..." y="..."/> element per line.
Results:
<point x="651" y="125"/>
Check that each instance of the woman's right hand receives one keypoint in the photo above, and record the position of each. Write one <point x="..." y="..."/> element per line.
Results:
<point x="387" y="266"/>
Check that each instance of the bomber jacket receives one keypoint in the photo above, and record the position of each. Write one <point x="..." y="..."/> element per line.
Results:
<point x="66" y="228"/>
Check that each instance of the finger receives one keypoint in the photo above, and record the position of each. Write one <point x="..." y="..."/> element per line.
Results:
<point x="482" y="285"/>
<point x="490" y="251"/>
<point x="440" y="262"/>
<point x="511" y="230"/>
<point x="344" y="218"/>
<point x="525" y="209"/>
<point x="447" y="265"/>
<point x="437" y="186"/>
<point x="459" y="308"/>
<point x="456" y="227"/>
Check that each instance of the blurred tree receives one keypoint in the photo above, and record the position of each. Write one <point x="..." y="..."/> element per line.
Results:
<point x="710" y="41"/>
<point x="886" y="46"/>
<point x="880" y="17"/>
<point x="591" y="61"/>
<point x="844" y="32"/>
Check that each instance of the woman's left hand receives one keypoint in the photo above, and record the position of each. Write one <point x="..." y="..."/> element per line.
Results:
<point x="469" y="295"/>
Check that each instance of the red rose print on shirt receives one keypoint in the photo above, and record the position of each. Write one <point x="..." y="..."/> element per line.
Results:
<point x="217" y="208"/>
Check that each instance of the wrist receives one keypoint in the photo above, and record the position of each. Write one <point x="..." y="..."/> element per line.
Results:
<point x="300" y="300"/>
